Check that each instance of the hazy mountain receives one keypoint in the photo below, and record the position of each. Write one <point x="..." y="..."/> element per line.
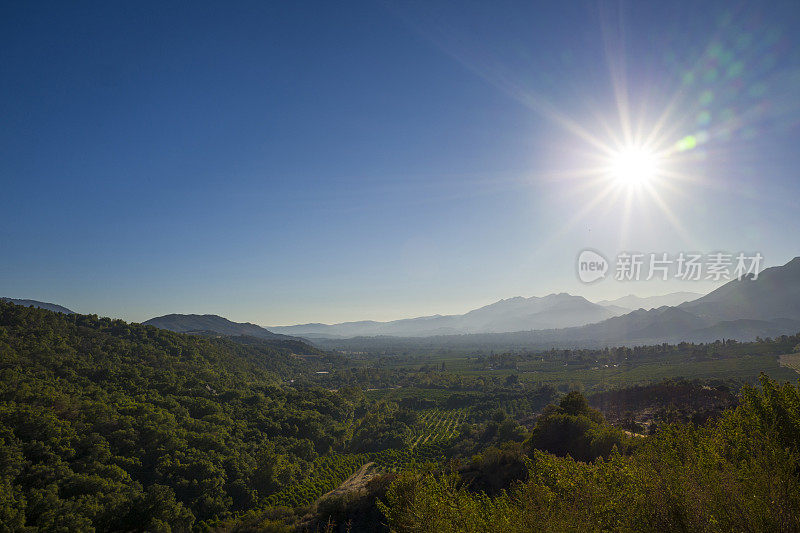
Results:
<point x="633" y="302"/>
<point x="617" y="310"/>
<point x="741" y="309"/>
<point x="746" y="329"/>
<point x="43" y="305"/>
<point x="203" y="324"/>
<point x="644" y="324"/>
<point x="553" y="311"/>
<point x="513" y="314"/>
<point x="775" y="294"/>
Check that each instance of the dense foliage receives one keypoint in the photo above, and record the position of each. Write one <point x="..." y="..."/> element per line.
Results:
<point x="573" y="428"/>
<point x="739" y="474"/>
<point x="120" y="426"/>
<point x="108" y="426"/>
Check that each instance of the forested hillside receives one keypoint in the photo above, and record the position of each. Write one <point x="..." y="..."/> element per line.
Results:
<point x="111" y="426"/>
<point x="120" y="426"/>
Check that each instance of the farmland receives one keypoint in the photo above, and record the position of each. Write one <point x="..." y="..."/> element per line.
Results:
<point x="437" y="427"/>
<point x="589" y="370"/>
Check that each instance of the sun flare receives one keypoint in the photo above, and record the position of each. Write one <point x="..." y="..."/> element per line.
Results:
<point x="633" y="166"/>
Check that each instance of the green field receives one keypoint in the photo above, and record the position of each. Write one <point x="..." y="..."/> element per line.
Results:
<point x="741" y="367"/>
<point x="745" y="368"/>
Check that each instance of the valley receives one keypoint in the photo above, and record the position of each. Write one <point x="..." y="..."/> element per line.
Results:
<point x="231" y="432"/>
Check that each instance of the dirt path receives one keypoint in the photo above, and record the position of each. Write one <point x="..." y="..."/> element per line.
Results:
<point x="354" y="482"/>
<point x="358" y="480"/>
<point x="790" y="360"/>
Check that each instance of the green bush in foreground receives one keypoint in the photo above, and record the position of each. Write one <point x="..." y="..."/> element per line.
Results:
<point x="741" y="474"/>
<point x="573" y="428"/>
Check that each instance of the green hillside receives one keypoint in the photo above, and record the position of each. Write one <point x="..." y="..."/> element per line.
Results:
<point x="120" y="426"/>
<point x="110" y="426"/>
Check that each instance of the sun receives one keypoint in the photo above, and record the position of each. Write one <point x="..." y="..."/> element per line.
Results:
<point x="633" y="166"/>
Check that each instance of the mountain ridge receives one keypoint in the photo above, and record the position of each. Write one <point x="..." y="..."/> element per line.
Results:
<point x="633" y="302"/>
<point x="740" y="309"/>
<point x="41" y="305"/>
<point x="517" y="313"/>
<point x="510" y="314"/>
<point x="203" y="324"/>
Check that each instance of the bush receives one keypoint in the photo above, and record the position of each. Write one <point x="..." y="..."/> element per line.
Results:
<point x="574" y="429"/>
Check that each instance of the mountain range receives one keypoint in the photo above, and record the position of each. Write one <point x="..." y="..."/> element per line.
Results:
<point x="743" y="309"/>
<point x="633" y="302"/>
<point x="43" y="305"/>
<point x="512" y="314"/>
<point x="553" y="311"/>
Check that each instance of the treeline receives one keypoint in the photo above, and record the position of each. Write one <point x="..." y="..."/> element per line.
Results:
<point x="584" y="337"/>
<point x="719" y="349"/>
<point x="669" y="401"/>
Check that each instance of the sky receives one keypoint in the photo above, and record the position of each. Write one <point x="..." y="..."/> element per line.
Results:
<point x="291" y="162"/>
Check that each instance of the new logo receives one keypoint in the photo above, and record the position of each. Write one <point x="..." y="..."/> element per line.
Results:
<point x="591" y="266"/>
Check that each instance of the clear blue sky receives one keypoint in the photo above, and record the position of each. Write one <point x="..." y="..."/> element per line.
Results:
<point x="285" y="162"/>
